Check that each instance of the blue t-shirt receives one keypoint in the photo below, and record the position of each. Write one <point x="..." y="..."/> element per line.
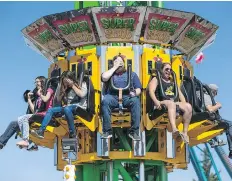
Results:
<point x="120" y="81"/>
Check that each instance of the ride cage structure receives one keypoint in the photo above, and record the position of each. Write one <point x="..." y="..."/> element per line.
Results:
<point x="85" y="40"/>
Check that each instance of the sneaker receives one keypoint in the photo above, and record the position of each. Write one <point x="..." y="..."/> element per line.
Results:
<point x="221" y="143"/>
<point x="213" y="144"/>
<point x="176" y="134"/>
<point x="134" y="136"/>
<point x="1" y="146"/>
<point x="230" y="155"/>
<point x="72" y="135"/>
<point x="185" y="138"/>
<point x="106" y="135"/>
<point x="33" y="148"/>
<point x="38" y="133"/>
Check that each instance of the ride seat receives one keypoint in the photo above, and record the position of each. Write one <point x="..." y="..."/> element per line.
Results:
<point x="199" y="112"/>
<point x="121" y="115"/>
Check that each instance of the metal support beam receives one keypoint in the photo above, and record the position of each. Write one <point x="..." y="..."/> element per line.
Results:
<point x="122" y="171"/>
<point x="171" y="151"/>
<point x="198" y="169"/>
<point x="150" y="142"/>
<point x="137" y="52"/>
<point x="163" y="173"/>
<point x="115" y="174"/>
<point x="102" y="146"/>
<point x="213" y="163"/>
<point x="110" y="176"/>
<point x="79" y="173"/>
<point x="141" y="171"/>
<point x="90" y="172"/>
<point x="225" y="160"/>
<point x="140" y="146"/>
<point x="158" y="4"/>
<point x="123" y="139"/>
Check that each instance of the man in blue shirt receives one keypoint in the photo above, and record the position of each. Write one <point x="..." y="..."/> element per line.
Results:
<point x="130" y="100"/>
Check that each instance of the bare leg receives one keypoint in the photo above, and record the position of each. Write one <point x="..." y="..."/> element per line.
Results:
<point x="187" y="109"/>
<point x="171" y="106"/>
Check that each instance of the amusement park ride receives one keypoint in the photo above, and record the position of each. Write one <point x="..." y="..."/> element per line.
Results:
<point x="147" y="35"/>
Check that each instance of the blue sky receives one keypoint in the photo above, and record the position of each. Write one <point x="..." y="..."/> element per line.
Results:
<point x="20" y="65"/>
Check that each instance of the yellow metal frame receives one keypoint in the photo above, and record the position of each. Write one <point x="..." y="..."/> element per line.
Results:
<point x="199" y="131"/>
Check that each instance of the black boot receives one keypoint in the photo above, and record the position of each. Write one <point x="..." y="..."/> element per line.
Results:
<point x="230" y="154"/>
<point x="1" y="146"/>
<point x="72" y="135"/>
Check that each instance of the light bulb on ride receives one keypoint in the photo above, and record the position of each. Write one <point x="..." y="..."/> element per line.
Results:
<point x="69" y="173"/>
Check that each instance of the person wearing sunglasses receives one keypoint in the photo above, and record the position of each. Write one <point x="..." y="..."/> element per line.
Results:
<point x="225" y="123"/>
<point x="168" y="88"/>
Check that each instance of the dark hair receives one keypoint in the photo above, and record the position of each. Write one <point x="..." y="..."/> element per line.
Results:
<point x="119" y="55"/>
<point x="63" y="89"/>
<point x="43" y="81"/>
<point x="25" y="95"/>
<point x="164" y="64"/>
<point x="33" y="97"/>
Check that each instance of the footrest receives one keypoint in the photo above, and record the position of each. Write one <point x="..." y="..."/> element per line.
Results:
<point x="171" y="148"/>
<point x="140" y="146"/>
<point x="69" y="145"/>
<point x="103" y="146"/>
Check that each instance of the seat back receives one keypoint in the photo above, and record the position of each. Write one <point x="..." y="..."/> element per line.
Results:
<point x="90" y="95"/>
<point x="194" y="91"/>
<point x="88" y="113"/>
<point x="208" y="91"/>
<point x="200" y="94"/>
<point x="149" y="102"/>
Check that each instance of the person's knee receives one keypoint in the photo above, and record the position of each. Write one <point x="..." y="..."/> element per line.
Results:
<point x="188" y="108"/>
<point x="170" y="104"/>
<point x="50" y="111"/>
<point x="67" y="109"/>
<point x="13" y="124"/>
<point x="228" y="123"/>
<point x="105" y="102"/>
<point x="135" y="101"/>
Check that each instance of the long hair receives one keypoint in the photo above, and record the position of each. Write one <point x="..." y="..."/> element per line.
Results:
<point x="42" y="80"/>
<point x="164" y="64"/>
<point x="63" y="88"/>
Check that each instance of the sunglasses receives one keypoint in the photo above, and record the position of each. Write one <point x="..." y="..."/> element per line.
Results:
<point x="214" y="92"/>
<point x="168" y="69"/>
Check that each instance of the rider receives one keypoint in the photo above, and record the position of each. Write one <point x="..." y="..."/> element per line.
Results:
<point x="227" y="124"/>
<point x="130" y="99"/>
<point x="13" y="127"/>
<point x="42" y="103"/>
<point x="168" y="87"/>
<point x="72" y="96"/>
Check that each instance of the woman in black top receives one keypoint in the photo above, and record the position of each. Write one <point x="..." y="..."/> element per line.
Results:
<point x="168" y="87"/>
